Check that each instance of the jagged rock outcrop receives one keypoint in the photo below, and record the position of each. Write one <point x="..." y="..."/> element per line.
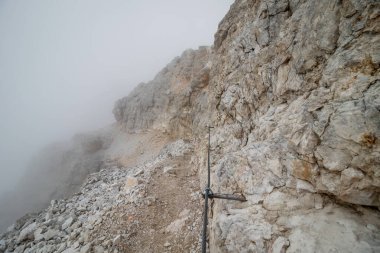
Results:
<point x="292" y="89"/>
<point x="175" y="101"/>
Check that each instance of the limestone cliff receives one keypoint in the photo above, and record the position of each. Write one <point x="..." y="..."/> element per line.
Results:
<point x="292" y="88"/>
<point x="175" y="101"/>
<point x="295" y="96"/>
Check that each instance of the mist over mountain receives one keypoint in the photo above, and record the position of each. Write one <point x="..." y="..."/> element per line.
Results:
<point x="291" y="90"/>
<point x="63" y="64"/>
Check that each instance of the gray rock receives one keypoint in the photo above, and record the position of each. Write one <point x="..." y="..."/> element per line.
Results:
<point x="306" y="98"/>
<point x="98" y="249"/>
<point x="280" y="245"/>
<point x="2" y="246"/>
<point x="86" y="248"/>
<point x="50" y="233"/>
<point x="117" y="239"/>
<point x="27" y="233"/>
<point x="67" y="223"/>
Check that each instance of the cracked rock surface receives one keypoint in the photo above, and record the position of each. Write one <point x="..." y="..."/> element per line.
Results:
<point x="295" y="97"/>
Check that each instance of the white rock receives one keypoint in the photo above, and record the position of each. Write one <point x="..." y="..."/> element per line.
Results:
<point x="38" y="236"/>
<point x="130" y="183"/>
<point x="98" y="249"/>
<point x="117" y="239"/>
<point x="67" y="223"/>
<point x="51" y="233"/>
<point x="280" y="244"/>
<point x="86" y="248"/>
<point x="27" y="233"/>
<point x="70" y="250"/>
<point x="303" y="185"/>
<point x="2" y="245"/>
<point x="169" y="170"/>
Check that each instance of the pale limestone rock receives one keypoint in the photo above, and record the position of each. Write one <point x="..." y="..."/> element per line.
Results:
<point x="67" y="223"/>
<point x="86" y="248"/>
<point x="331" y="229"/>
<point x="172" y="101"/>
<point x="117" y="239"/>
<point x="280" y="245"/>
<point x="294" y="76"/>
<point x="27" y="233"/>
<point x="98" y="249"/>
<point x="51" y="233"/>
<point x="277" y="201"/>
<point x="240" y="230"/>
<point x="169" y="170"/>
<point x="305" y="186"/>
<point x="349" y="175"/>
<point x="178" y="224"/>
<point x="70" y="250"/>
<point x="131" y="182"/>
<point x="38" y="235"/>
<point x="2" y="245"/>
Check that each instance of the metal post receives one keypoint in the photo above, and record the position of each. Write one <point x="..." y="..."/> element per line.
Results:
<point x="209" y="194"/>
<point x="208" y="158"/>
<point x="204" y="235"/>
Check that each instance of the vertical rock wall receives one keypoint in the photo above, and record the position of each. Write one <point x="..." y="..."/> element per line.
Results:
<point x="295" y="97"/>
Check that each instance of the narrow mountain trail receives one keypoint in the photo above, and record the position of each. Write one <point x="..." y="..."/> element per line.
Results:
<point x="172" y="221"/>
<point x="168" y="215"/>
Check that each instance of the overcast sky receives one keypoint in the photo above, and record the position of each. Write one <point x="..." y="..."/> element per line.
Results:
<point x="63" y="63"/>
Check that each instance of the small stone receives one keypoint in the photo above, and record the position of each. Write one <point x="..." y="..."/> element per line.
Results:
<point x="51" y="233"/>
<point x="117" y="239"/>
<point x="371" y="227"/>
<point x="98" y="249"/>
<point x="2" y="245"/>
<point x="48" y="216"/>
<point x="38" y="236"/>
<point x="138" y="173"/>
<point x="167" y="244"/>
<point x="131" y="182"/>
<point x="280" y="245"/>
<point x="70" y="250"/>
<point x="27" y="233"/>
<point x="169" y="170"/>
<point x="303" y="185"/>
<point x="75" y="245"/>
<point x="318" y="201"/>
<point x="67" y="223"/>
<point x="86" y="248"/>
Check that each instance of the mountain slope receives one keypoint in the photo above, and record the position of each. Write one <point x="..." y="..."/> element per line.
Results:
<point x="292" y="89"/>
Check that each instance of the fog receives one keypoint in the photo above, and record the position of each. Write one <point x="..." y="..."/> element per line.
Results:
<point x="63" y="63"/>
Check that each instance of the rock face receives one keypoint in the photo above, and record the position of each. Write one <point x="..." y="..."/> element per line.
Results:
<point x="292" y="89"/>
<point x="295" y="96"/>
<point x="175" y="101"/>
